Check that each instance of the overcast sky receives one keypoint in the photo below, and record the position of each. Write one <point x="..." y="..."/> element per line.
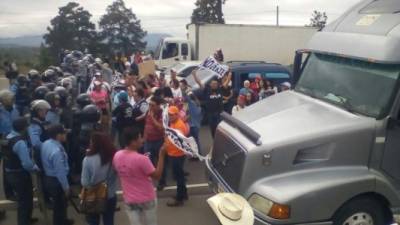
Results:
<point x="31" y="17"/>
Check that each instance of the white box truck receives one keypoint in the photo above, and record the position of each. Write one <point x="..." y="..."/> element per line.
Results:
<point x="275" y="44"/>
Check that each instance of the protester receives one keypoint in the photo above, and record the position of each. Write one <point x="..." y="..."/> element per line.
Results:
<point x="257" y="84"/>
<point x="161" y="80"/>
<point x="249" y="99"/>
<point x="101" y="99"/>
<point x="246" y="88"/>
<point x="55" y="166"/>
<point x="285" y="86"/>
<point x="124" y="116"/>
<point x="176" y="90"/>
<point x="213" y="100"/>
<point x="18" y="165"/>
<point x="97" y="168"/>
<point x="241" y="104"/>
<point x="227" y="94"/>
<point x="195" y="117"/>
<point x="140" y="109"/>
<point x="135" y="171"/>
<point x="266" y="90"/>
<point x="154" y="133"/>
<point x="177" y="157"/>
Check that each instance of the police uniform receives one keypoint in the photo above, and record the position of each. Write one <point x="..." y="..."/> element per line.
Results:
<point x="56" y="169"/>
<point x="6" y="119"/>
<point x="53" y="117"/>
<point x="18" y="164"/>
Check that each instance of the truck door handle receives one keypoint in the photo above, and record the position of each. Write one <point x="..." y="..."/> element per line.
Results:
<point x="176" y="59"/>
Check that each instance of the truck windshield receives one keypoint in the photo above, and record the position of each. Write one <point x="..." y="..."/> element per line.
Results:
<point x="358" y="86"/>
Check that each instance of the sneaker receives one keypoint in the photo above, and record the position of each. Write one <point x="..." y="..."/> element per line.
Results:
<point x="174" y="203"/>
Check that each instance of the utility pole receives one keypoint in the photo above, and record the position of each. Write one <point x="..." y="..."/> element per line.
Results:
<point x="277" y="15"/>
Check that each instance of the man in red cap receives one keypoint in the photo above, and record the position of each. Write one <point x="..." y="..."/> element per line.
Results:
<point x="177" y="157"/>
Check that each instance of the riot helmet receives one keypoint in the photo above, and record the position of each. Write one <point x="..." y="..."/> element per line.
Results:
<point x="83" y="100"/>
<point x="40" y="92"/>
<point x="90" y="114"/>
<point x="53" y="99"/>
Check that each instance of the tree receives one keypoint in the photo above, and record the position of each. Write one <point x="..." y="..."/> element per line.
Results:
<point x="121" y="30"/>
<point x="318" y="19"/>
<point x="44" y="57"/>
<point x="208" y="11"/>
<point x="70" y="29"/>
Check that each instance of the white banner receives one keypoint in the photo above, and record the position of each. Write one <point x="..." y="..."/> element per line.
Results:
<point x="186" y="144"/>
<point x="214" y="66"/>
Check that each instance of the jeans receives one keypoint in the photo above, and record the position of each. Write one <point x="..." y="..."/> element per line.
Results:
<point x="21" y="183"/>
<point x="213" y="121"/>
<point x="179" y="175"/>
<point x="194" y="132"/>
<point x="108" y="215"/>
<point x="153" y="148"/>
<point x="143" y="214"/>
<point x="56" y="193"/>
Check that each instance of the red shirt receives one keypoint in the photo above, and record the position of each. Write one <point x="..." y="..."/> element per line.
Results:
<point x="151" y="131"/>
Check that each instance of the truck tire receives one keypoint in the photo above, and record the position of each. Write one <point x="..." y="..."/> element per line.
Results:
<point x="362" y="211"/>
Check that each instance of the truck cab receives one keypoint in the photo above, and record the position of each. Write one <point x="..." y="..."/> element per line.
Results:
<point x="172" y="50"/>
<point x="327" y="152"/>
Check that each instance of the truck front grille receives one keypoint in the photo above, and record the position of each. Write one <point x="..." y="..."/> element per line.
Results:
<point x="228" y="159"/>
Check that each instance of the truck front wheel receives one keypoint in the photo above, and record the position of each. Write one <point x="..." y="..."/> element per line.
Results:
<point x="362" y="211"/>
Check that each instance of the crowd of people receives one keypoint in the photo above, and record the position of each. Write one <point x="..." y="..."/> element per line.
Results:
<point x="62" y="126"/>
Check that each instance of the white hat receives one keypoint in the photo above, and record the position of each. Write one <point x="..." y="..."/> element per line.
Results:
<point x="286" y="84"/>
<point x="231" y="209"/>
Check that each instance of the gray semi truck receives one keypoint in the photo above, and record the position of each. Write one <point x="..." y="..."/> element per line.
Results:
<point x="327" y="152"/>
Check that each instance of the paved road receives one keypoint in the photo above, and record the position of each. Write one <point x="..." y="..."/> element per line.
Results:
<point x="195" y="210"/>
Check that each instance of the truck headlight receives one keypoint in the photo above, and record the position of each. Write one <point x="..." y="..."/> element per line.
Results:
<point x="269" y="208"/>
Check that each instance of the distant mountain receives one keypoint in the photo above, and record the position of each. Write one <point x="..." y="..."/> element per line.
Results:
<point x="23" y="41"/>
<point x="152" y="40"/>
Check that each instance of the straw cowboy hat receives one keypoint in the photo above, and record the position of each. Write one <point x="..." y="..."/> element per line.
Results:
<point x="231" y="209"/>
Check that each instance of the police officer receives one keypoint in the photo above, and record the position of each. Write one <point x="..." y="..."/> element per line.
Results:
<point x="56" y="169"/>
<point x="40" y="92"/>
<point x="22" y="96"/>
<point x="8" y="113"/>
<point x="89" y="117"/>
<point x="18" y="165"/>
<point x="53" y="115"/>
<point x="75" y="150"/>
<point x="35" y="80"/>
<point x="37" y="128"/>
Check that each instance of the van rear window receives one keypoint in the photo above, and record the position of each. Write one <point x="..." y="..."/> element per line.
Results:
<point x="382" y="7"/>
